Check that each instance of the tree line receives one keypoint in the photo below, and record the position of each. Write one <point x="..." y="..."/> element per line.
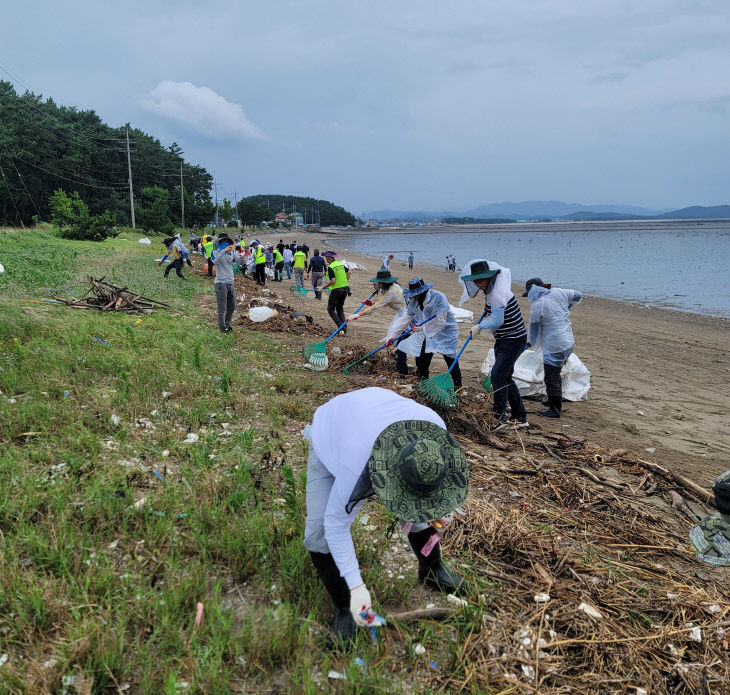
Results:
<point x="313" y="210"/>
<point x="45" y="147"/>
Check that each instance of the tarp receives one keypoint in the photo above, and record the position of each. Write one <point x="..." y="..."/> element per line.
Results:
<point x="529" y="375"/>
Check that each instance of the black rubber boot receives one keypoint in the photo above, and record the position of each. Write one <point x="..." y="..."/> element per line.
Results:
<point x="555" y="403"/>
<point x="431" y="570"/>
<point x="342" y="624"/>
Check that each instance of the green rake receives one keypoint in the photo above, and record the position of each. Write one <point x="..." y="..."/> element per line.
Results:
<point x="354" y="365"/>
<point x="439" y="390"/>
<point x="300" y="291"/>
<point x="316" y="353"/>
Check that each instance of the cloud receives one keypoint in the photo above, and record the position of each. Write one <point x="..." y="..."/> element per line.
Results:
<point x="201" y="110"/>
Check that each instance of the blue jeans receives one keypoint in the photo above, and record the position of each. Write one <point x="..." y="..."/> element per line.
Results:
<point x="506" y="352"/>
<point x="287" y="267"/>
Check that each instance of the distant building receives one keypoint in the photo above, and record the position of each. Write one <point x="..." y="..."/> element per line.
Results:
<point x="372" y="223"/>
<point x="297" y="218"/>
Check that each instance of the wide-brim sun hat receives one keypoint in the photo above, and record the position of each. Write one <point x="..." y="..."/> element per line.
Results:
<point x="415" y="287"/>
<point x="418" y="471"/>
<point x="330" y="254"/>
<point x="711" y="540"/>
<point x="480" y="271"/>
<point x="384" y="276"/>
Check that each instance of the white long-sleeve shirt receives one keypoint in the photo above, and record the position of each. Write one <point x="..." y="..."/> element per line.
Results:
<point x="343" y="433"/>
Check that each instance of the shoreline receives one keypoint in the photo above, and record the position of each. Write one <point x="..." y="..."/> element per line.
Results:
<point x="658" y="291"/>
<point x="658" y="375"/>
<point x="518" y="287"/>
<point x="719" y="224"/>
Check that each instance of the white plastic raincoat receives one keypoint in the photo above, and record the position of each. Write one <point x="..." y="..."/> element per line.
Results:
<point x="441" y="334"/>
<point x="550" y="322"/>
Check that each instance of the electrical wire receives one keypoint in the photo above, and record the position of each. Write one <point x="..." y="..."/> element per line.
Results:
<point x="7" y="183"/>
<point x="38" y="212"/>
<point x="118" y="186"/>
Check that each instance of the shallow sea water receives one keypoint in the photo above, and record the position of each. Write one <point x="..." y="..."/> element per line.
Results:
<point x="686" y="269"/>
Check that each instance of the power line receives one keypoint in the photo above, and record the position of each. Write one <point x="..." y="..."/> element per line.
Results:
<point x="65" y="178"/>
<point x="12" y="161"/>
<point x="7" y="183"/>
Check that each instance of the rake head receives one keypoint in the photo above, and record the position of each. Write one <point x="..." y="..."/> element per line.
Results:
<point x="438" y="390"/>
<point x="353" y="366"/>
<point x="487" y="384"/>
<point x="316" y="356"/>
<point x="299" y="291"/>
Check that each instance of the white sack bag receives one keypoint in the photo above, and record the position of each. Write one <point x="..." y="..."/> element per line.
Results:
<point x="529" y="376"/>
<point x="261" y="313"/>
<point x="462" y="315"/>
<point x="145" y="240"/>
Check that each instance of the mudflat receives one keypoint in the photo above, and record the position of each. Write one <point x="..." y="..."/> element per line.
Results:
<point x="659" y="378"/>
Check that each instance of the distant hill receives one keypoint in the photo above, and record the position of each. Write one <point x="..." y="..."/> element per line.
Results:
<point x="554" y="210"/>
<point x="602" y="216"/>
<point x="697" y="212"/>
<point x="532" y="209"/>
<point x="410" y="215"/>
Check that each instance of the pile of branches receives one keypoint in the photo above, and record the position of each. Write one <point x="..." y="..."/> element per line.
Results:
<point x="594" y="586"/>
<point x="103" y="296"/>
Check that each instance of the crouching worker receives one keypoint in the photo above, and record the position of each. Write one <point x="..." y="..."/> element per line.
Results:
<point x="374" y="442"/>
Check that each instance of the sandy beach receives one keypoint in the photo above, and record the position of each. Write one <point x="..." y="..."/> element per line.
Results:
<point x="658" y="377"/>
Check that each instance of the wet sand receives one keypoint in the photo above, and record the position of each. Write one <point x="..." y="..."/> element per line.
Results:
<point x="659" y="378"/>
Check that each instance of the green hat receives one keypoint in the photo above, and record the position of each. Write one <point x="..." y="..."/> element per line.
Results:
<point x="418" y="471"/>
<point x="711" y="540"/>
<point x="385" y="277"/>
<point x="479" y="271"/>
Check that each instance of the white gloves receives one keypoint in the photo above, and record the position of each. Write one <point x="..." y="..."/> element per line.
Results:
<point x="475" y="330"/>
<point x="360" y="601"/>
<point x="353" y="317"/>
<point x="416" y="329"/>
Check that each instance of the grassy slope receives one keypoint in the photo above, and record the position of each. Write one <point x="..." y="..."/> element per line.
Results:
<point x="96" y="584"/>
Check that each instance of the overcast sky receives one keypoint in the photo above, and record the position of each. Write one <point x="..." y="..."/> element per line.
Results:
<point x="405" y="104"/>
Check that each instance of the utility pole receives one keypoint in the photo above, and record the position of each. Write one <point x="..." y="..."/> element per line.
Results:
<point x="182" y="196"/>
<point x="131" y="192"/>
<point x="215" y="185"/>
<point x="235" y="203"/>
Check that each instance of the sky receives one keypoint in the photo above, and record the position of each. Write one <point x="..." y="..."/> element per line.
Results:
<point x="407" y="105"/>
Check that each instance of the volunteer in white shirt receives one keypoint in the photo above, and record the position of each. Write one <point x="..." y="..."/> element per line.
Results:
<point x="375" y="442"/>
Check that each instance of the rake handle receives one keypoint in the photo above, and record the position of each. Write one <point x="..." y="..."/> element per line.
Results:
<point x="339" y="328"/>
<point x="402" y="335"/>
<point x="466" y="342"/>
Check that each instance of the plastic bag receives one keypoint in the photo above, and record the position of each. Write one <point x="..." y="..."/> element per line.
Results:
<point x="261" y="313"/>
<point x="462" y="315"/>
<point x="145" y="240"/>
<point x="529" y="375"/>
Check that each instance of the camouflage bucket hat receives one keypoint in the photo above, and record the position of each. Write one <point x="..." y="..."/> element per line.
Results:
<point x="418" y="471"/>
<point x="711" y="540"/>
<point x="711" y="537"/>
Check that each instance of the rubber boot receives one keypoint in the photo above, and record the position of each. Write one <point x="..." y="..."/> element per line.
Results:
<point x="431" y="570"/>
<point x="555" y="404"/>
<point x="342" y="624"/>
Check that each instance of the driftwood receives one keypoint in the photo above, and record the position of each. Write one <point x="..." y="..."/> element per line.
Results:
<point x="103" y="296"/>
<point x="705" y="495"/>
<point x="438" y="613"/>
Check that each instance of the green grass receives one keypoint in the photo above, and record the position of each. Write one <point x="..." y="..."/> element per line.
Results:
<point x="102" y="564"/>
